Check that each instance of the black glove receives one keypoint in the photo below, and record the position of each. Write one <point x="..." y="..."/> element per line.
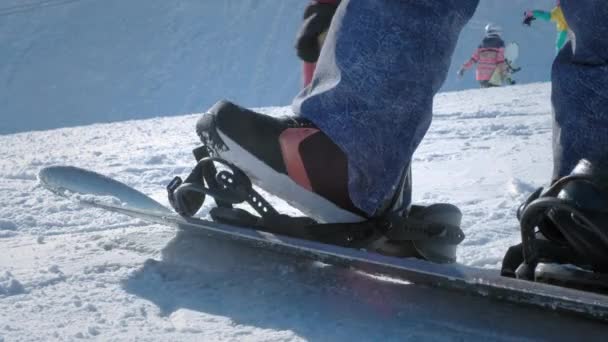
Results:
<point x="528" y="18"/>
<point x="460" y="72"/>
<point x="317" y="18"/>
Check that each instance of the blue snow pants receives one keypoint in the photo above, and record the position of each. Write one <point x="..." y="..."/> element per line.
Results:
<point x="580" y="89"/>
<point x="384" y="60"/>
<point x="372" y="93"/>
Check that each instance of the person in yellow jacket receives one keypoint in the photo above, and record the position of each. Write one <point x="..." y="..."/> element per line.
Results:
<point x="556" y="15"/>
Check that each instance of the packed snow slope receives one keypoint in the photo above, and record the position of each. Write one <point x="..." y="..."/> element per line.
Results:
<point x="68" y="272"/>
<point x="73" y="62"/>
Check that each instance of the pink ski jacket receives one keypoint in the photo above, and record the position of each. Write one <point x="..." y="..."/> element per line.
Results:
<point x="489" y="55"/>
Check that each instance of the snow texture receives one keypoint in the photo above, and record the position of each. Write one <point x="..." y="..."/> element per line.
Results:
<point x="69" y="272"/>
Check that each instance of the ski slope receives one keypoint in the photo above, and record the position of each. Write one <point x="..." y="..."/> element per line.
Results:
<point x="75" y="62"/>
<point x="70" y="273"/>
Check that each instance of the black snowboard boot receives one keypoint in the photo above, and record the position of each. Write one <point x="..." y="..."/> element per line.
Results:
<point x="582" y="223"/>
<point x="566" y="224"/>
<point x="288" y="157"/>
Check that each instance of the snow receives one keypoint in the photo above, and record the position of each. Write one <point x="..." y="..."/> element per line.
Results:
<point x="69" y="272"/>
<point x="74" y="62"/>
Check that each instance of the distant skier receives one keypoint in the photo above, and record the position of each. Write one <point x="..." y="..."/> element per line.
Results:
<point x="310" y="38"/>
<point x="557" y="16"/>
<point x="346" y="152"/>
<point x="490" y="59"/>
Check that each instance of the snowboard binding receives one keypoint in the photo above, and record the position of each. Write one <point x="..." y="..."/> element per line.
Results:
<point x="567" y="224"/>
<point x="428" y="232"/>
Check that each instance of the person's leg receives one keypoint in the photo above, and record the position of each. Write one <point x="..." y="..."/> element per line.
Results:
<point x="484" y="84"/>
<point x="487" y="84"/>
<point x="580" y="88"/>
<point x="372" y="93"/>
<point x="572" y="214"/>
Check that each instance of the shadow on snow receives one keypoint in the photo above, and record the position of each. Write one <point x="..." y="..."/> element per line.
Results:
<point x="259" y="288"/>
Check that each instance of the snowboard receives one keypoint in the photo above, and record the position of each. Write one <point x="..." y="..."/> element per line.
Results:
<point x="96" y="190"/>
<point x="511" y="54"/>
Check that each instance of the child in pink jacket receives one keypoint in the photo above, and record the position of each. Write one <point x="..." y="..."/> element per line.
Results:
<point x="489" y="57"/>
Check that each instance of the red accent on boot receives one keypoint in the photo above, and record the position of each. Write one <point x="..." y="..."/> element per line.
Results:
<point x="290" y="140"/>
<point x="308" y="69"/>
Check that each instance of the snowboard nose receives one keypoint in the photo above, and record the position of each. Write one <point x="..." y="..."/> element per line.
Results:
<point x="70" y="181"/>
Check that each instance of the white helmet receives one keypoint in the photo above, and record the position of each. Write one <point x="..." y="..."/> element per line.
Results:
<point x="493" y="30"/>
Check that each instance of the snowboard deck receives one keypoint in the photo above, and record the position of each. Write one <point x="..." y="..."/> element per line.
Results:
<point x="512" y="52"/>
<point x="93" y="189"/>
